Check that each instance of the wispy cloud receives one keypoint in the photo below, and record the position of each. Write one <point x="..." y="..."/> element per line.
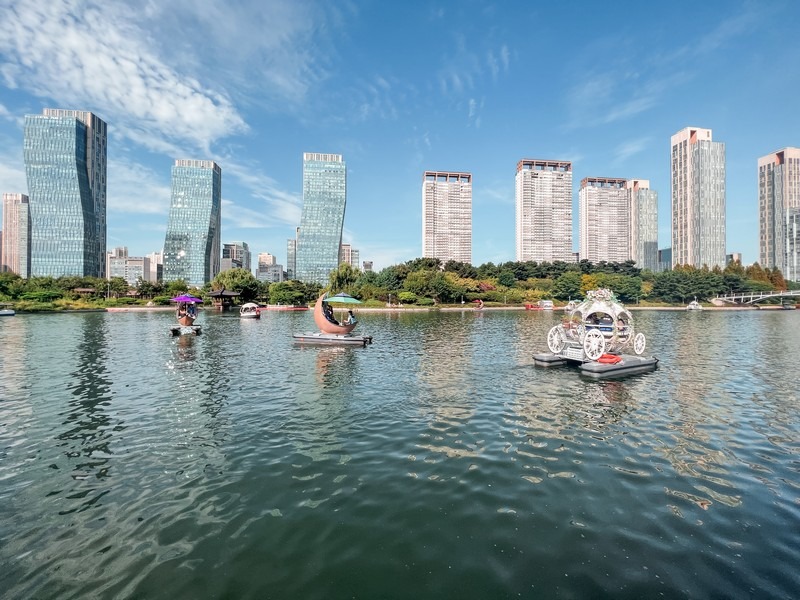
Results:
<point x="281" y="208"/>
<point x="630" y="148"/>
<point x="135" y="189"/>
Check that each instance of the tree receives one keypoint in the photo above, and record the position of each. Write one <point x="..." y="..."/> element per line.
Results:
<point x="567" y="286"/>
<point x="287" y="292"/>
<point x="343" y="279"/>
<point x="238" y="280"/>
<point x="424" y="264"/>
<point x="506" y="278"/>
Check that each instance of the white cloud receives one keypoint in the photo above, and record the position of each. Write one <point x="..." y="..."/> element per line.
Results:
<point x="630" y="148"/>
<point x="135" y="189"/>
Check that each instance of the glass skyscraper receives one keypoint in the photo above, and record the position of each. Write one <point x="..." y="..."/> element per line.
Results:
<point x="644" y="224"/>
<point x="192" y="243"/>
<point x="65" y="165"/>
<point x="778" y="206"/>
<point x="322" y="220"/>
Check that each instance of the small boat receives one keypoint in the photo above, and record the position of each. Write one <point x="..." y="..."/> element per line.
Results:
<point x="595" y="335"/>
<point x="6" y="310"/>
<point x="788" y="305"/>
<point x="694" y="305"/>
<point x="250" y="310"/>
<point x="186" y="311"/>
<point x="331" y="331"/>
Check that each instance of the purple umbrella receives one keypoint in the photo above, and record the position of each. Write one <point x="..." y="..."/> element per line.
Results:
<point x="185" y="298"/>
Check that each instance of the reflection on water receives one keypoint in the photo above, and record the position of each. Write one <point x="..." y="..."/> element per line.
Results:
<point x="437" y="462"/>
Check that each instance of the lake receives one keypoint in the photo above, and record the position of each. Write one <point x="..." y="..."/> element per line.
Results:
<point x="438" y="462"/>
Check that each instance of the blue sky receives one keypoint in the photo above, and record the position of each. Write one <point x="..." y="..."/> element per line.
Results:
<point x="397" y="89"/>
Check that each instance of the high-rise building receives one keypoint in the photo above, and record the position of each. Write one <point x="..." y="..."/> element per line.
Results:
<point x="447" y="216"/>
<point x="778" y="208"/>
<point x="265" y="258"/>
<point x="291" y="256"/>
<point x="65" y="165"/>
<point x="322" y="219"/>
<point x="235" y="255"/>
<point x="16" y="248"/>
<point x="604" y="220"/>
<point x="544" y="210"/>
<point x="698" y="199"/>
<point x="156" y="267"/>
<point x="349" y="255"/>
<point x="644" y="224"/>
<point x="192" y="243"/>
<point x="367" y="266"/>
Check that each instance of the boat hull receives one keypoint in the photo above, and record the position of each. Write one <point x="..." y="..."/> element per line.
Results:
<point x="186" y="320"/>
<point x="332" y="339"/>
<point x="629" y="365"/>
<point x="7" y="312"/>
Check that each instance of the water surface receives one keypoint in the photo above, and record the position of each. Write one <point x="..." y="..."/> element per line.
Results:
<point x="436" y="463"/>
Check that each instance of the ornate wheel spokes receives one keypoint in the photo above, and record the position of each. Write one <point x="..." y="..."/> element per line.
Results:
<point x="639" y="342"/>
<point x="594" y="344"/>
<point x="555" y="339"/>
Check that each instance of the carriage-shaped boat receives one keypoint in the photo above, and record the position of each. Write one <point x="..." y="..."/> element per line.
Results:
<point x="598" y="333"/>
<point x="599" y="325"/>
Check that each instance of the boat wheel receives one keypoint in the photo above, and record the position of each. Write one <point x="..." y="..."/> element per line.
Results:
<point x="639" y="342"/>
<point x="555" y="339"/>
<point x="594" y="344"/>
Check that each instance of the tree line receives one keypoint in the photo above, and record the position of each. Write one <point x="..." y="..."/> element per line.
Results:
<point x="421" y="281"/>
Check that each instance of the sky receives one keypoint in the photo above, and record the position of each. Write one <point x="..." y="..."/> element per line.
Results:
<point x="398" y="88"/>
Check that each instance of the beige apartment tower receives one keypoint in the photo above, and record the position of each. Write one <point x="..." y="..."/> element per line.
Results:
<point x="604" y="220"/>
<point x="16" y="248"/>
<point x="544" y="210"/>
<point x="698" y="199"/>
<point x="779" y="212"/>
<point x="447" y="216"/>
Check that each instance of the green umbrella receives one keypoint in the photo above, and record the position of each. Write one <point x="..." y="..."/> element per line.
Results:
<point x="343" y="298"/>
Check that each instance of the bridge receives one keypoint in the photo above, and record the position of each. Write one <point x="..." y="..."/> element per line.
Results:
<point x="756" y="297"/>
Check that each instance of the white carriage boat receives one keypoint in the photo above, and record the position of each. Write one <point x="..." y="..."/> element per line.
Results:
<point x="597" y="335"/>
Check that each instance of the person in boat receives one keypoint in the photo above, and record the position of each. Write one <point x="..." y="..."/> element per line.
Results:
<point x="181" y="310"/>
<point x="191" y="310"/>
<point x="351" y="318"/>
<point x="327" y="310"/>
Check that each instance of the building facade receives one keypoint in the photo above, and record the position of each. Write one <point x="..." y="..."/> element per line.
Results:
<point x="236" y="255"/>
<point x="16" y="246"/>
<point x="65" y="165"/>
<point x="322" y="219"/>
<point x="349" y="255"/>
<point x="156" y="273"/>
<point x="447" y="216"/>
<point x="778" y="204"/>
<point x="643" y="204"/>
<point x="543" y="190"/>
<point x="291" y="256"/>
<point x="192" y="242"/>
<point x="698" y="199"/>
<point x="604" y="220"/>
<point x="129" y="268"/>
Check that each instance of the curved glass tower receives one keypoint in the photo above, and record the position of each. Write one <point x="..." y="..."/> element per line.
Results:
<point x="324" y="199"/>
<point x="65" y="165"/>
<point x="192" y="243"/>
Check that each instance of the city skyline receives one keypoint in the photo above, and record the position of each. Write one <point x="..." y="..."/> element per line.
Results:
<point x="445" y="88"/>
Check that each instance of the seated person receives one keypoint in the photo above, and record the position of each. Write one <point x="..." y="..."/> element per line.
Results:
<point x="351" y="318"/>
<point x="327" y="310"/>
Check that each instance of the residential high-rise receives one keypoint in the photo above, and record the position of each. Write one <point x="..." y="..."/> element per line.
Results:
<point x="604" y="220"/>
<point x="779" y="212"/>
<point x="643" y="224"/>
<point x="65" y="165"/>
<point x="16" y="248"/>
<point x="447" y="216"/>
<point x="544" y="210"/>
<point x="349" y="255"/>
<point x="156" y="273"/>
<point x="698" y="199"/>
<point x="192" y="243"/>
<point x="322" y="219"/>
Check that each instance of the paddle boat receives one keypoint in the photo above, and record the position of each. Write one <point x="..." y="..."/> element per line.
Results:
<point x="186" y="313"/>
<point x="331" y="330"/>
<point x="598" y="335"/>
<point x="250" y="310"/>
<point x="6" y="310"/>
<point x="694" y="305"/>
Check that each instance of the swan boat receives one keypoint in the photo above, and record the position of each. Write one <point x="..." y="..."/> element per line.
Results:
<point x="331" y="331"/>
<point x="597" y="335"/>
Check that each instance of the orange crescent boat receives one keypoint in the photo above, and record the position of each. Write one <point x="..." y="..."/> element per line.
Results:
<point x="331" y="332"/>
